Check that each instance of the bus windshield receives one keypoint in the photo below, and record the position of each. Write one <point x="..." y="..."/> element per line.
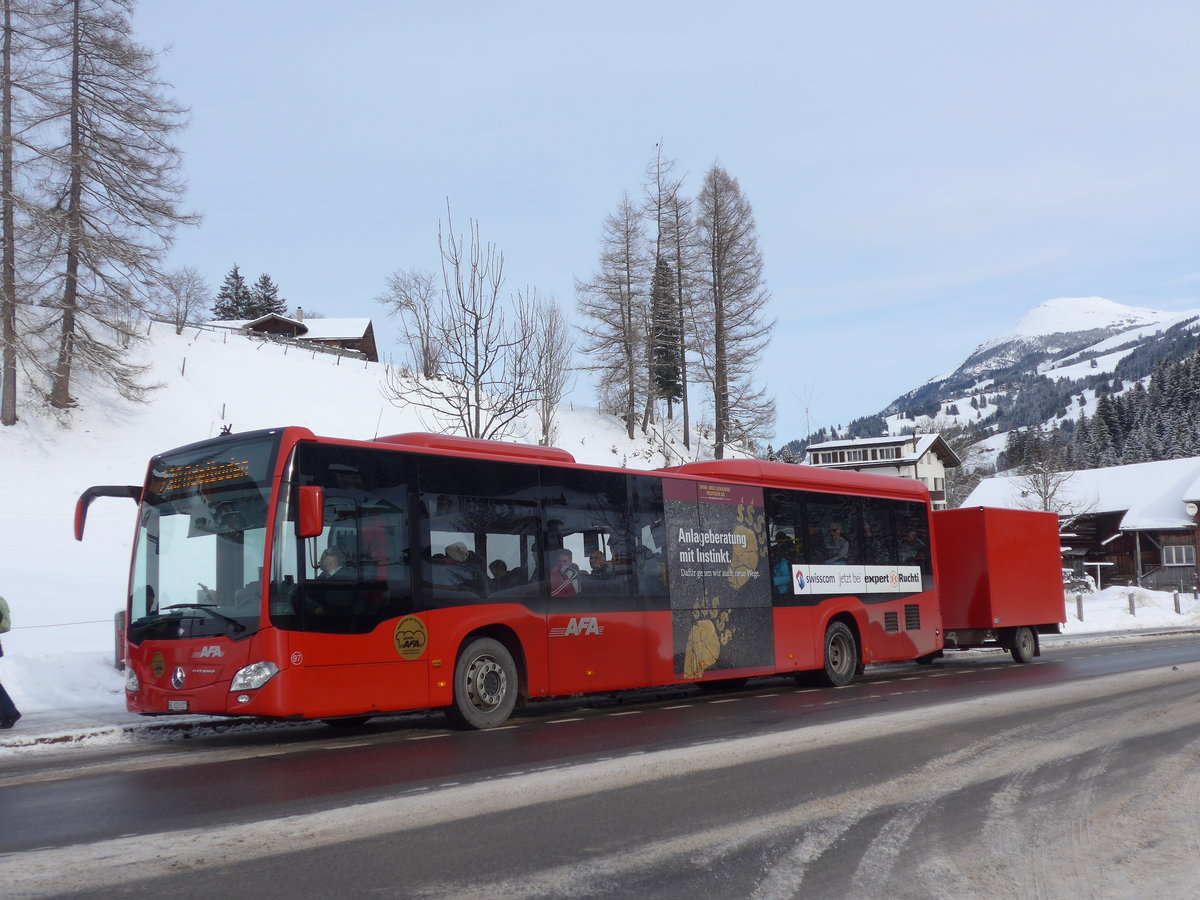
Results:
<point x="201" y="541"/>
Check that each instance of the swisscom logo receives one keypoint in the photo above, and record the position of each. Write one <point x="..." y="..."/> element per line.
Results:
<point x="801" y="582"/>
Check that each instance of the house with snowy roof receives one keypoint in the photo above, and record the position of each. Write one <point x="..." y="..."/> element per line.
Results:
<point x="357" y="335"/>
<point x="924" y="457"/>
<point x="1133" y="524"/>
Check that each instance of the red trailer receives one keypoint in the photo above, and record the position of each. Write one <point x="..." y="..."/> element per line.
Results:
<point x="1000" y="578"/>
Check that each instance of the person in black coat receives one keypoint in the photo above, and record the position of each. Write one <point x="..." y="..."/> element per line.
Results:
<point x="8" y="709"/>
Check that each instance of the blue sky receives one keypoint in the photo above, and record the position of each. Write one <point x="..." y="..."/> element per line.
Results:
<point x="922" y="173"/>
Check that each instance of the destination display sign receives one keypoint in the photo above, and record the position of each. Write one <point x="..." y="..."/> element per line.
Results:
<point x="202" y="473"/>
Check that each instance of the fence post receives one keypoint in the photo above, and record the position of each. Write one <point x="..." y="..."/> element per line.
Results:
<point x="1177" y="610"/>
<point x="1132" y="608"/>
<point x="119" y="641"/>
<point x="1079" y="606"/>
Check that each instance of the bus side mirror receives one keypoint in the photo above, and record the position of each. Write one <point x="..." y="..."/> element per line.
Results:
<point x="132" y="491"/>
<point x="311" y="514"/>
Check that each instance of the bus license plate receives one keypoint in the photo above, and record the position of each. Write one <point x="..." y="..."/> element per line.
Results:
<point x="177" y="706"/>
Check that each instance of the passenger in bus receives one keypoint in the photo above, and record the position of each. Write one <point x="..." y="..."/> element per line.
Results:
<point x="839" y="547"/>
<point x="463" y="570"/>
<point x="783" y="552"/>
<point x="564" y="574"/>
<point x="601" y="568"/>
<point x="333" y="565"/>
<point x="912" y="549"/>
<point x="502" y="577"/>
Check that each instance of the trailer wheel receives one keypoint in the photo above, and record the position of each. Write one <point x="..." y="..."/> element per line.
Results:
<point x="841" y="655"/>
<point x="485" y="685"/>
<point x="1024" y="645"/>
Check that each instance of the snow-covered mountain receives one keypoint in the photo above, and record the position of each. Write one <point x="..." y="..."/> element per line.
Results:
<point x="1060" y="328"/>
<point x="1050" y="366"/>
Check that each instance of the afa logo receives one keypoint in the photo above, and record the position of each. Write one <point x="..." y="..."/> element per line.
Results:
<point x="801" y="581"/>
<point x="577" y="626"/>
<point x="410" y="638"/>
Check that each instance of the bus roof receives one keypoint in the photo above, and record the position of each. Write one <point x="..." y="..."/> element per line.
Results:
<point x="802" y="477"/>
<point x="748" y="471"/>
<point x="423" y="440"/>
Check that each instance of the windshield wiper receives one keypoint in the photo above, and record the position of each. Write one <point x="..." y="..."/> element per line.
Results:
<point x="209" y="608"/>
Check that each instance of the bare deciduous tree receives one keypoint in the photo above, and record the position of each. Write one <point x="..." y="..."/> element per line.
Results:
<point x="8" y="262"/>
<point x="22" y="82"/>
<point x="553" y="349"/>
<point x="115" y="179"/>
<point x="733" y="300"/>
<point x="615" y="304"/>
<point x="183" y="293"/>
<point x="485" y="383"/>
<point x="412" y="297"/>
<point x="682" y="252"/>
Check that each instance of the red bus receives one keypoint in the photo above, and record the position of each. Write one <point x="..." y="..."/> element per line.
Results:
<point x="284" y="575"/>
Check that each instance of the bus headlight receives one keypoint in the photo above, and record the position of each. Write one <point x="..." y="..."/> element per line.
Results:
<point x="132" y="685"/>
<point x="254" y="676"/>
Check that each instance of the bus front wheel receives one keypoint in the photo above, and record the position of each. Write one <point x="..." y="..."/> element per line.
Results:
<point x="485" y="685"/>
<point x="841" y="655"/>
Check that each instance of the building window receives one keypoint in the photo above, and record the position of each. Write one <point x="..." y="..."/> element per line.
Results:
<point x="1179" y="555"/>
<point x="854" y="455"/>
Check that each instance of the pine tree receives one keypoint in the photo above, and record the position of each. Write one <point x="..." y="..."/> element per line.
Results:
<point x="265" y="299"/>
<point x="233" y="299"/>
<point x="666" y="349"/>
<point x="614" y="304"/>
<point x="734" y="298"/>
<point x="8" y="224"/>
<point x="116" y="183"/>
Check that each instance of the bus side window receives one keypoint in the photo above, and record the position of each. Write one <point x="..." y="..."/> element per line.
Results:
<point x="833" y="530"/>
<point x="912" y="533"/>
<point x="649" y="520"/>
<point x="785" y="516"/>
<point x="478" y="531"/>
<point x="587" y="513"/>
<point x="879" y="538"/>
<point x="366" y="531"/>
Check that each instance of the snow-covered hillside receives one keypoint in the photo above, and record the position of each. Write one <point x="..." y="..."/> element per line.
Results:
<point x="1065" y="315"/>
<point x="1070" y="342"/>
<point x="64" y="594"/>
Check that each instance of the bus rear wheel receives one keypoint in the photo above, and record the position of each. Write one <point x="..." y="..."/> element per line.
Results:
<point x="841" y="655"/>
<point x="1024" y="645"/>
<point x="485" y="685"/>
